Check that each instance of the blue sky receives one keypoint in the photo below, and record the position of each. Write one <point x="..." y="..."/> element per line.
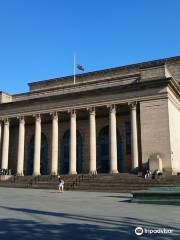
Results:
<point x="38" y="37"/>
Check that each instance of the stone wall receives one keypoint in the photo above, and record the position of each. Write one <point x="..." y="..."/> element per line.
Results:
<point x="153" y="72"/>
<point x="155" y="137"/>
<point x="4" y="97"/>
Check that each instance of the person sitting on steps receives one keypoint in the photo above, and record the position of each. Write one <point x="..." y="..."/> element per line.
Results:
<point x="147" y="174"/>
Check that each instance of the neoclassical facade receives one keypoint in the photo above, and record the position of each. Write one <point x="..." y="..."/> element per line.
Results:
<point x="114" y="120"/>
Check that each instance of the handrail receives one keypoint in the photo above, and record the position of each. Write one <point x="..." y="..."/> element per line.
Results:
<point x="80" y="178"/>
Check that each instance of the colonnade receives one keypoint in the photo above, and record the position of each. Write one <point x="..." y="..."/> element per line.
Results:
<point x="72" y="150"/>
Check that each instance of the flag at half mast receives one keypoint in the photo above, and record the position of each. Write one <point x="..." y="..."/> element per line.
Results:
<point x="78" y="66"/>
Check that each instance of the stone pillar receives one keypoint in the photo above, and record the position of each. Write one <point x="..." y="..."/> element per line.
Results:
<point x="54" y="153"/>
<point x="5" y="146"/>
<point x="72" y="153"/>
<point x="92" y="134"/>
<point x="37" y="146"/>
<point x="112" y="140"/>
<point x="0" y="135"/>
<point x="20" y="160"/>
<point x="134" y="137"/>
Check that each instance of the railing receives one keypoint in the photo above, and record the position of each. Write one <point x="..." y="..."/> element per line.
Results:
<point x="29" y="181"/>
<point x="80" y="178"/>
<point x="39" y="178"/>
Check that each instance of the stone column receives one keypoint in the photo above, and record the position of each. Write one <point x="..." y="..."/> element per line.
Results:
<point x="0" y="135"/>
<point x="20" y="160"/>
<point x="37" y="146"/>
<point x="5" y="146"/>
<point x="112" y="140"/>
<point x="72" y="154"/>
<point x="92" y="134"/>
<point x="54" y="153"/>
<point x="134" y="138"/>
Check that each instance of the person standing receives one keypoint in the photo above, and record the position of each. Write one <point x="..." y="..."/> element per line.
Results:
<point x="61" y="184"/>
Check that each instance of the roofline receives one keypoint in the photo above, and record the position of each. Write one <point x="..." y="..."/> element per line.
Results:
<point x="152" y="63"/>
<point x="5" y="93"/>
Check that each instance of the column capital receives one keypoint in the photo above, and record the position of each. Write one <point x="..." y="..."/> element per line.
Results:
<point x="112" y="108"/>
<point x="6" y="121"/>
<point x="92" y="110"/>
<point x="72" y="112"/>
<point x="54" y="115"/>
<point x="21" y="119"/>
<point x="37" y="117"/>
<point x="133" y="105"/>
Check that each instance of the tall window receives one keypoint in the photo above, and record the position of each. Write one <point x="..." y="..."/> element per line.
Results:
<point x="128" y="137"/>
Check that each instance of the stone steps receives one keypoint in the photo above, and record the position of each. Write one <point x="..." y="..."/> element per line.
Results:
<point x="103" y="182"/>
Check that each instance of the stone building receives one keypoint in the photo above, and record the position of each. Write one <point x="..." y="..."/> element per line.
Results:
<point x="112" y="120"/>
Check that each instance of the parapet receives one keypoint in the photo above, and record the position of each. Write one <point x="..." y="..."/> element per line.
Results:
<point x="5" y="97"/>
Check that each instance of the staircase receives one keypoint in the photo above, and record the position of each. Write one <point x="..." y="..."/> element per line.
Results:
<point x="123" y="182"/>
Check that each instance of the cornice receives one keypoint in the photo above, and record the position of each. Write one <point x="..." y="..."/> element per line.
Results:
<point x="93" y="84"/>
<point x="114" y="87"/>
<point x="75" y="107"/>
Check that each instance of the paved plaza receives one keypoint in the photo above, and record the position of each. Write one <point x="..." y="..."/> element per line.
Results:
<point x="47" y="214"/>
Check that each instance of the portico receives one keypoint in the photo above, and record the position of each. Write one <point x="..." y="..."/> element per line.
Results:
<point x="55" y="120"/>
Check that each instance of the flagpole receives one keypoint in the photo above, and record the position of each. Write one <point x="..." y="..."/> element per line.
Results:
<point x="74" y="68"/>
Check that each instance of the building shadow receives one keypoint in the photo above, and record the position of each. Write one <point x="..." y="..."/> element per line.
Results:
<point x="85" y="227"/>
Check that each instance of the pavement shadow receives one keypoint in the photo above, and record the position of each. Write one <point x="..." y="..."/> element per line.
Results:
<point x="85" y="228"/>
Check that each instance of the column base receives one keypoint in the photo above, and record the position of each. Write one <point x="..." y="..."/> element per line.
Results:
<point x="113" y="172"/>
<point x="20" y="174"/>
<point x="54" y="174"/>
<point x="36" y="174"/>
<point x="134" y="170"/>
<point x="93" y="172"/>
<point x="72" y="173"/>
